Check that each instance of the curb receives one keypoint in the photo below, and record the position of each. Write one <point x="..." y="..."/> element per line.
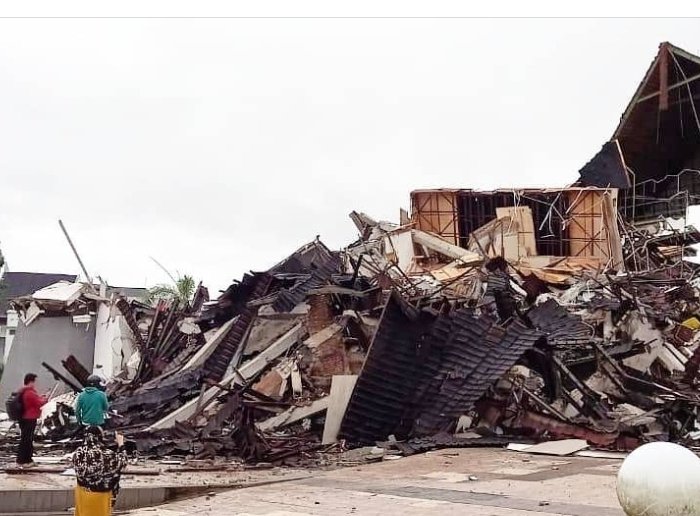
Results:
<point x="59" y="501"/>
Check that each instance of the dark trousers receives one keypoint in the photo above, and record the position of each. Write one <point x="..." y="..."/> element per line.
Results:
<point x="25" y="450"/>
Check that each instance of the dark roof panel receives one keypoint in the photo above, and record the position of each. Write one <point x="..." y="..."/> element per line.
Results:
<point x="606" y="169"/>
<point x="380" y="403"/>
<point x="422" y="372"/>
<point x="478" y="353"/>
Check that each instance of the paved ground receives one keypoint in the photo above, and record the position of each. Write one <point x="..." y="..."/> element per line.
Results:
<point x="438" y="483"/>
<point x="33" y="480"/>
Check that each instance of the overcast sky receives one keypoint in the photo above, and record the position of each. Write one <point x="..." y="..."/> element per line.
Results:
<point x="220" y="146"/>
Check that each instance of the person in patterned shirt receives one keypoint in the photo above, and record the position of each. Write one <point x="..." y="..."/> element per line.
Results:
<point x="97" y="470"/>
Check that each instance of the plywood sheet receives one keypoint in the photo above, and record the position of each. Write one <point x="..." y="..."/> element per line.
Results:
<point x="398" y="248"/>
<point x="496" y="238"/>
<point x="601" y="454"/>
<point x="436" y="212"/>
<point x="592" y="225"/>
<point x="560" y="269"/>
<point x="525" y="244"/>
<point x="559" y="448"/>
<point x="518" y="446"/>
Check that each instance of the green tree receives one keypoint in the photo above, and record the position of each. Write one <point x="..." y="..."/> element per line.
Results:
<point x="181" y="289"/>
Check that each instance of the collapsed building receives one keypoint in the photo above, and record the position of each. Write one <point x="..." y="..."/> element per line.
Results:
<point x="54" y="317"/>
<point x="481" y="317"/>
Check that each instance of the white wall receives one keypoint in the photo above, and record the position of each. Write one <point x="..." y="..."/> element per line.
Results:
<point x="114" y="341"/>
<point x="10" y="330"/>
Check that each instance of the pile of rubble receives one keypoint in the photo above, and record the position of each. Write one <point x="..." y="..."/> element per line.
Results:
<point x="405" y="339"/>
<point x="482" y="317"/>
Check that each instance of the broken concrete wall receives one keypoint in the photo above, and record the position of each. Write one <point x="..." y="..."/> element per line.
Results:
<point x="398" y="248"/>
<point x="114" y="342"/>
<point x="50" y="340"/>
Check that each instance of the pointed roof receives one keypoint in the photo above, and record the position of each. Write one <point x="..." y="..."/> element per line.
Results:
<point x="659" y="132"/>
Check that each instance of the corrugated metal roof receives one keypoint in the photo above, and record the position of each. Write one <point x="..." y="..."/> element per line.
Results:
<point x="387" y="383"/>
<point x="217" y="364"/>
<point x="321" y="273"/>
<point x="559" y="325"/>
<point x="422" y="371"/>
<point x="478" y="351"/>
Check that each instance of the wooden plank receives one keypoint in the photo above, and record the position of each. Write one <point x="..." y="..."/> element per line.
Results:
<point x="297" y="387"/>
<point x="294" y="414"/>
<point x="322" y="336"/>
<point x="444" y="247"/>
<point x="612" y="229"/>
<point x="671" y="87"/>
<point x="663" y="77"/>
<point x="341" y="390"/>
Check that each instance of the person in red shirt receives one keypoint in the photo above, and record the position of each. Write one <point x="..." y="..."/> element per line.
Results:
<point x="31" y="404"/>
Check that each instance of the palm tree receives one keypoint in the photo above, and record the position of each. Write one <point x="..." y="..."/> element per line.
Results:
<point x="181" y="289"/>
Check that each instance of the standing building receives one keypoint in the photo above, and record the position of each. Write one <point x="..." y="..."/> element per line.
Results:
<point x="19" y="284"/>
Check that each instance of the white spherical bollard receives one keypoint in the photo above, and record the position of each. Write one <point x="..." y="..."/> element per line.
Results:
<point x="660" y="479"/>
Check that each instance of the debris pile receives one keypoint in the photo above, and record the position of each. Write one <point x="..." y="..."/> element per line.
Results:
<point x="330" y="349"/>
<point x="482" y="317"/>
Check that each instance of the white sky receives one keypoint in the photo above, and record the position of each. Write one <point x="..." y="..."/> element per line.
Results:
<point x="219" y="146"/>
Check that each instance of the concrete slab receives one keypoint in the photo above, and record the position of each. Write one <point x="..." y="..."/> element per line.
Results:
<point x="560" y="448"/>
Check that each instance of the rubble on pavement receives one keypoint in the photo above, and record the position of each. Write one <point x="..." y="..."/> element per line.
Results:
<point x="483" y="318"/>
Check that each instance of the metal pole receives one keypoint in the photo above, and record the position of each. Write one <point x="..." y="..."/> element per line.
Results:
<point x="75" y="252"/>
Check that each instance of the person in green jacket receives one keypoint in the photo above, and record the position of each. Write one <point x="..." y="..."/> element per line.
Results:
<point x="92" y="405"/>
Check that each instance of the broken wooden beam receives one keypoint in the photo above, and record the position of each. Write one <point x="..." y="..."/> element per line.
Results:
<point x="444" y="247"/>
<point x="241" y="376"/>
<point x="294" y="414"/>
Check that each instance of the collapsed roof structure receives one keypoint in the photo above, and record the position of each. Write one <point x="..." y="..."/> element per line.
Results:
<point x="62" y="319"/>
<point x="524" y="313"/>
<point x="653" y="156"/>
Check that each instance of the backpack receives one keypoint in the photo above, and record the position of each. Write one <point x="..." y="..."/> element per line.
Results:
<point x="15" y="406"/>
